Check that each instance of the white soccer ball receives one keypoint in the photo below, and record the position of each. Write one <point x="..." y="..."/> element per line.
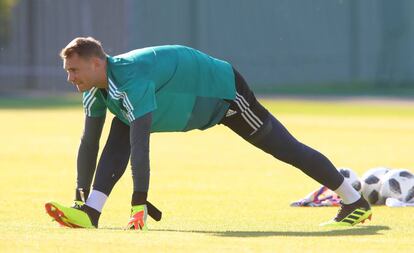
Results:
<point x="371" y="185"/>
<point x="351" y="177"/>
<point x="398" y="184"/>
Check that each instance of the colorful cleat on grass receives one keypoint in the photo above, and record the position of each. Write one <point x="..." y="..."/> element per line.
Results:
<point x="68" y="216"/>
<point x="350" y="215"/>
<point x="138" y="218"/>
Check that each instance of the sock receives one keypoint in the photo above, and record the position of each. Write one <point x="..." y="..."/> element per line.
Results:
<point x="347" y="193"/>
<point x="96" y="200"/>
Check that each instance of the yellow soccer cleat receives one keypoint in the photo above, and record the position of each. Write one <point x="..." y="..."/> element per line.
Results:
<point x="68" y="216"/>
<point x="350" y="215"/>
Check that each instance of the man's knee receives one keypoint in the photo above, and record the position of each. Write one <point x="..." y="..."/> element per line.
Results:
<point x="263" y="132"/>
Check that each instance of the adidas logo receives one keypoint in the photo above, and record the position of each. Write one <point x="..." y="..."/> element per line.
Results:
<point x="230" y="112"/>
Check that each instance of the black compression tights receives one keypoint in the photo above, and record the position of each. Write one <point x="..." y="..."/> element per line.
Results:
<point x="275" y="139"/>
<point x="114" y="158"/>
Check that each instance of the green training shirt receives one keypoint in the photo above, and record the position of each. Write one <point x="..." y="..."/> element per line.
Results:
<point x="183" y="88"/>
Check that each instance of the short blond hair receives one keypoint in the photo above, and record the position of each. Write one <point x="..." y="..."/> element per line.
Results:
<point x="85" y="47"/>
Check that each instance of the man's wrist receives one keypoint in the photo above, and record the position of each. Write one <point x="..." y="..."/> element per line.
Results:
<point x="139" y="198"/>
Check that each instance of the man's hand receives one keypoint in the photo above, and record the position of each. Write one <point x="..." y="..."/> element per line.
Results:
<point x="138" y="219"/>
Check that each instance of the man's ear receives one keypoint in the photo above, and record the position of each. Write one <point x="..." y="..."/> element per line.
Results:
<point x="97" y="62"/>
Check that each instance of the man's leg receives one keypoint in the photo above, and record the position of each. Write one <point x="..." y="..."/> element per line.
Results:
<point x="256" y="125"/>
<point x="114" y="158"/>
<point x="112" y="164"/>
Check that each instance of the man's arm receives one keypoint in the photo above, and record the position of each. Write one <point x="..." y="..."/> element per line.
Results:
<point x="87" y="155"/>
<point x="139" y="140"/>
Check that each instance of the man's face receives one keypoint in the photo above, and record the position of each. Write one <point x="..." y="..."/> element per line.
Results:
<point x="81" y="72"/>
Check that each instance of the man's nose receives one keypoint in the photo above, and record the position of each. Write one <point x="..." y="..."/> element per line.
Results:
<point x="71" y="78"/>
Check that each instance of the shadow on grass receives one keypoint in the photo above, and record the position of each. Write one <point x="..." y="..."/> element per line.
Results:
<point x="354" y="231"/>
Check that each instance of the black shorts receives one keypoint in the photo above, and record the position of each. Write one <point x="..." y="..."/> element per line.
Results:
<point x="245" y="115"/>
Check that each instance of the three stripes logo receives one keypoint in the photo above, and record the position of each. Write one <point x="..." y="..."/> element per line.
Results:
<point x="354" y="217"/>
<point x="247" y="114"/>
<point x="115" y="94"/>
<point x="88" y="100"/>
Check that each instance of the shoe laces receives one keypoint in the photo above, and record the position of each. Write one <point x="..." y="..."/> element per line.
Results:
<point x="78" y="205"/>
<point x="342" y="212"/>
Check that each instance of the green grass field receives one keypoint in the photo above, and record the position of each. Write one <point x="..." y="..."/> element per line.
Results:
<point x="217" y="193"/>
